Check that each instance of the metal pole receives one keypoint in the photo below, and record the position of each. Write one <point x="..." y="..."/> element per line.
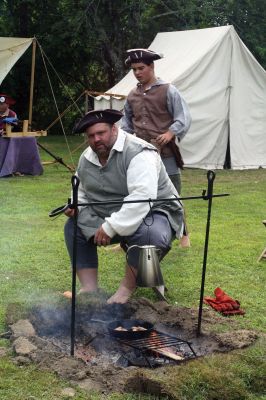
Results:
<point x="211" y="177"/>
<point x="107" y="202"/>
<point x="61" y="209"/>
<point x="75" y="184"/>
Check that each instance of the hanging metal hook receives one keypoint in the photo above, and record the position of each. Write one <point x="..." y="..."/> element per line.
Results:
<point x="150" y="214"/>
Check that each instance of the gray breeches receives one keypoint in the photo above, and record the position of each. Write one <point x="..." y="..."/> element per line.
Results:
<point x="154" y="230"/>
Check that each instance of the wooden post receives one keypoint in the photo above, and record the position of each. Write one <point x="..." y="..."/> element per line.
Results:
<point x="86" y="102"/>
<point x="8" y="129"/>
<point x="25" y="127"/>
<point x="32" y="80"/>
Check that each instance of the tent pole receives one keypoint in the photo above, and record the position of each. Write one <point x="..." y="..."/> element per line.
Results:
<point x="32" y="79"/>
<point x="86" y="103"/>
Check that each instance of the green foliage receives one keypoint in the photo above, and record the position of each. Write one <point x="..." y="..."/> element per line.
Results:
<point x="84" y="43"/>
<point x="248" y="18"/>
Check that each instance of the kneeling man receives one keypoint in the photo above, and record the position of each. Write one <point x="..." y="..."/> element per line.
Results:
<point x="121" y="167"/>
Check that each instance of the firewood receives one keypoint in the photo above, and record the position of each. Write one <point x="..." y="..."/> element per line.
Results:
<point x="169" y="354"/>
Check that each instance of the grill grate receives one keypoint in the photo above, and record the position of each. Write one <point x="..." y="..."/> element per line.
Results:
<point x="159" y="340"/>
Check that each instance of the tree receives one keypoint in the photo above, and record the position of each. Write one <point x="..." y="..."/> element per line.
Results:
<point x="84" y="42"/>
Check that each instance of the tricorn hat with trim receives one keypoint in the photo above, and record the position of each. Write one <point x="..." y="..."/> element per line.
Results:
<point x="141" y="55"/>
<point x="97" y="116"/>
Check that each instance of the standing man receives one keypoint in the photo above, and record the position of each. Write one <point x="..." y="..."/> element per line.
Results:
<point x="118" y="166"/>
<point x="156" y="112"/>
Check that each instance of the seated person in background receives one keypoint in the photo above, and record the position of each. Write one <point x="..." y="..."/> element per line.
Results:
<point x="5" y="111"/>
<point x="119" y="166"/>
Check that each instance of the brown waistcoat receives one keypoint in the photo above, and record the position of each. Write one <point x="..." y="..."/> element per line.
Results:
<point x="151" y="117"/>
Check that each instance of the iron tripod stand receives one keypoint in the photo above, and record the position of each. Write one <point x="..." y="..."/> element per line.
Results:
<point x="207" y="195"/>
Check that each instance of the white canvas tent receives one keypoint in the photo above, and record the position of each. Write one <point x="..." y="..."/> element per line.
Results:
<point x="225" y="88"/>
<point x="11" y="49"/>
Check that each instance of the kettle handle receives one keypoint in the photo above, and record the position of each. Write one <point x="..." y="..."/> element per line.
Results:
<point x="160" y="253"/>
<point x="129" y="248"/>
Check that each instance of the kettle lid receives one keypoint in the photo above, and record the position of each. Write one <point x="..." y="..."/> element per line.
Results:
<point x="147" y="246"/>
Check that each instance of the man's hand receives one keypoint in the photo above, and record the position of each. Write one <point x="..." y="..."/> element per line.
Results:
<point x="101" y="238"/>
<point x="164" y="138"/>
<point x="69" y="212"/>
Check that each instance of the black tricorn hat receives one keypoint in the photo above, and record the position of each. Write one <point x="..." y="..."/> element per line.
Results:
<point x="97" y="116"/>
<point x="141" y="55"/>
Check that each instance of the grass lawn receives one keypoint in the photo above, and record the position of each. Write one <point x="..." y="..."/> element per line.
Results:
<point x="34" y="265"/>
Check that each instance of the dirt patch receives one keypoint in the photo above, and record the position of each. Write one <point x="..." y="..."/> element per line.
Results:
<point x="43" y="337"/>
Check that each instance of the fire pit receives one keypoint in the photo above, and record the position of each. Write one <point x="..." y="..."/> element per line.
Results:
<point x="106" y="363"/>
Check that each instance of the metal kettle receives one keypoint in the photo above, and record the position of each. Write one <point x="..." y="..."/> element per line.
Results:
<point x="149" y="271"/>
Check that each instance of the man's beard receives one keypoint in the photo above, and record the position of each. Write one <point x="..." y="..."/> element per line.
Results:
<point x="102" y="150"/>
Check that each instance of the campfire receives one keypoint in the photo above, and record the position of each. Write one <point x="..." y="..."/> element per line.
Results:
<point x="113" y="341"/>
<point x="158" y="349"/>
<point x="111" y="334"/>
<point x="149" y="347"/>
<point x="125" y="343"/>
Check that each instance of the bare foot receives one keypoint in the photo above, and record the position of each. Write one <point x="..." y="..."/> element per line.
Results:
<point x="121" y="296"/>
<point x="184" y="241"/>
<point x="68" y="294"/>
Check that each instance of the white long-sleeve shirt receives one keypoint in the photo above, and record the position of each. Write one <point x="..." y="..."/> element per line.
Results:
<point x="142" y="183"/>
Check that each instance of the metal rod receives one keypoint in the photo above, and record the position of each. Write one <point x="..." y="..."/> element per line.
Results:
<point x="211" y="177"/>
<point x="75" y="184"/>
<point x="61" y="209"/>
<point x="204" y="197"/>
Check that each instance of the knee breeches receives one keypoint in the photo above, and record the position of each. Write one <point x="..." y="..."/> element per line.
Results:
<point x="154" y="230"/>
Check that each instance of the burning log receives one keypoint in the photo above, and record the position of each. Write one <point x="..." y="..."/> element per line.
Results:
<point x="169" y="353"/>
<point x="161" y="349"/>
